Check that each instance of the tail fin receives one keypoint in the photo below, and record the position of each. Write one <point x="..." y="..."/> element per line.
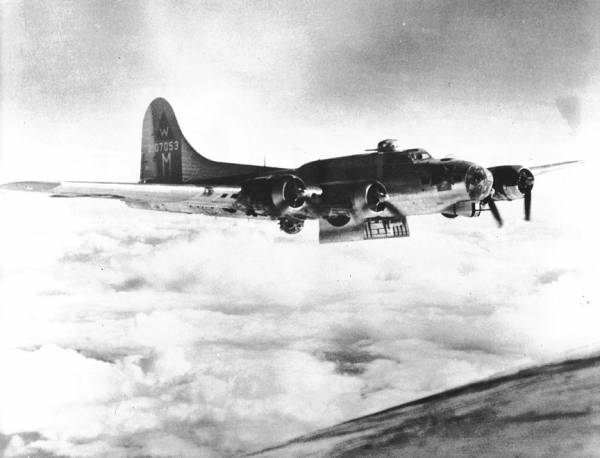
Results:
<point x="167" y="157"/>
<point x="162" y="145"/>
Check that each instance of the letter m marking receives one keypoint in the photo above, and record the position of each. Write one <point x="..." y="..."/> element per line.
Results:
<point x="166" y="164"/>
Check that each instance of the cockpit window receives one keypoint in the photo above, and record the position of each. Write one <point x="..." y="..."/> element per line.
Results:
<point x="419" y="155"/>
<point x="412" y="155"/>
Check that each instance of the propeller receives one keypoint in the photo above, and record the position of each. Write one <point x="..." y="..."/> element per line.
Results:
<point x="525" y="185"/>
<point x="378" y="200"/>
<point x="294" y="192"/>
<point x="510" y="182"/>
<point x="528" y="206"/>
<point x="392" y="209"/>
<point x="494" y="210"/>
<point x="279" y="194"/>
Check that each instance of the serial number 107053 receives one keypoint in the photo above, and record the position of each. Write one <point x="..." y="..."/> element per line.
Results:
<point x="172" y="145"/>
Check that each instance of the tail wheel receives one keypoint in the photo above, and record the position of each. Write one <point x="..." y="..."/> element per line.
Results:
<point x="291" y="225"/>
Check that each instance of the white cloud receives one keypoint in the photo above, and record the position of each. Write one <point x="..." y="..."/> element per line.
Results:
<point x="128" y="332"/>
<point x="137" y="332"/>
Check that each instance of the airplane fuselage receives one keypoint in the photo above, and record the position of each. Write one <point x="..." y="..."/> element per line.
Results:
<point x="416" y="183"/>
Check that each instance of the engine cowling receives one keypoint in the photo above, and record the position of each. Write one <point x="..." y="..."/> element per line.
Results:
<point x="369" y="196"/>
<point x="273" y="195"/>
<point x="340" y="200"/>
<point x="511" y="182"/>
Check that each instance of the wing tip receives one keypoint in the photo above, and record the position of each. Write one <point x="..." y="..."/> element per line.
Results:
<point x="30" y="186"/>
<point x="540" y="169"/>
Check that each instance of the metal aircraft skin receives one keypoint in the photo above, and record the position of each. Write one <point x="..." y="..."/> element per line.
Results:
<point x="358" y="197"/>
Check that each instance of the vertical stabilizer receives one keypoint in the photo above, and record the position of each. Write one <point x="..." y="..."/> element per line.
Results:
<point x="167" y="157"/>
<point x="163" y="145"/>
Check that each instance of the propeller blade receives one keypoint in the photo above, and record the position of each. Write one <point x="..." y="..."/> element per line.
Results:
<point x="392" y="208"/>
<point x="527" y="205"/>
<point x="377" y="200"/>
<point x="495" y="212"/>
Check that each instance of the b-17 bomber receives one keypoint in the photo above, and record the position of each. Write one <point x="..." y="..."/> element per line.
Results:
<point x="357" y="197"/>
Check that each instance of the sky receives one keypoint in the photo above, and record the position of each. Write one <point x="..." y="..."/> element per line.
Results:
<point x="132" y="333"/>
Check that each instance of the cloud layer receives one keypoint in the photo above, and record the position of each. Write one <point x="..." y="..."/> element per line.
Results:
<point x="137" y="333"/>
<point x="131" y="333"/>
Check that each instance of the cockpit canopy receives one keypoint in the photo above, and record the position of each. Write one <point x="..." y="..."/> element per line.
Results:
<point x="417" y="154"/>
<point x="390" y="145"/>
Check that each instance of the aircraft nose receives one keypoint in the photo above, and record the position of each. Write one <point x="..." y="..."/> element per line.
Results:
<point x="479" y="182"/>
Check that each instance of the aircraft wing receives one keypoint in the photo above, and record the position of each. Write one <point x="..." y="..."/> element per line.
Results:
<point x="134" y="194"/>
<point x="541" y="169"/>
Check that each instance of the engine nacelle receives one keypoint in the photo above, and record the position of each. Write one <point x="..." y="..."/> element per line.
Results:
<point x="511" y="182"/>
<point x="344" y="199"/>
<point x="369" y="196"/>
<point x="464" y="208"/>
<point x="273" y="195"/>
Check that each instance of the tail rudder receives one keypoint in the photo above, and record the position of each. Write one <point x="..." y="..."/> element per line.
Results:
<point x="164" y="148"/>
<point x="167" y="157"/>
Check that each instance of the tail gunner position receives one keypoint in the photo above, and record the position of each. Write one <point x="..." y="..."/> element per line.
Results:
<point x="358" y="197"/>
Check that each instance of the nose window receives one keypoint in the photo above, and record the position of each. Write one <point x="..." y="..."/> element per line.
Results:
<point x="476" y="174"/>
<point x="477" y="182"/>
